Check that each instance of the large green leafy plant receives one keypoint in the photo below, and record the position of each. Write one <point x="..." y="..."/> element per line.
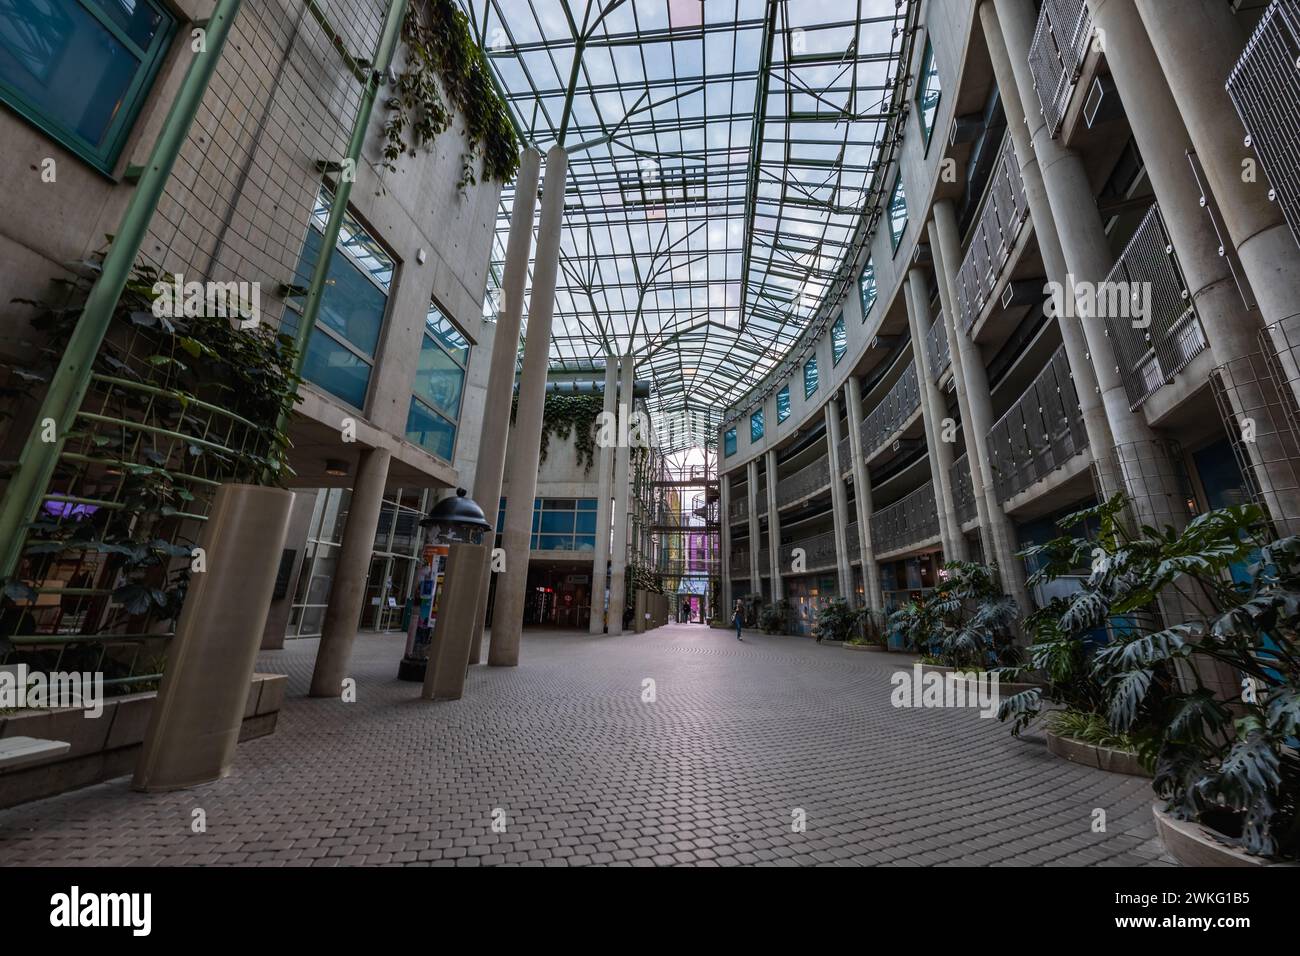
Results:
<point x="838" y="621"/>
<point x="1225" y="758"/>
<point x="965" y="621"/>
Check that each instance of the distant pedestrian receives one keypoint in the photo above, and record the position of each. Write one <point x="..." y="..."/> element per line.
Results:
<point x="686" y="614"/>
<point x="739" y="619"/>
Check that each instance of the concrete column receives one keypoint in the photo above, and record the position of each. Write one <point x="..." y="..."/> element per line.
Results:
<point x="934" y="414"/>
<point x="976" y="402"/>
<point x="755" y="530"/>
<point x="508" y="616"/>
<point x="622" y="493"/>
<point x="277" y="618"/>
<point x="605" y="462"/>
<point x="724" y="543"/>
<point x="495" y="430"/>
<point x="839" y="501"/>
<point x="1101" y="442"/>
<point x="1198" y="43"/>
<point x="773" y="529"/>
<point x="872" y="593"/>
<point x="1147" y="474"/>
<point x="348" y="589"/>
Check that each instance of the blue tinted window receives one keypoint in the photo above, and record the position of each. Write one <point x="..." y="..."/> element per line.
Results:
<point x="438" y="379"/>
<point x="430" y="431"/>
<point x="839" y="340"/>
<point x="729" y="442"/>
<point x="897" y="212"/>
<point x="336" y="369"/>
<point x="79" y="69"/>
<point x="446" y="334"/>
<point x="927" y="93"/>
<point x="810" y="377"/>
<point x="586" y="521"/>
<point x="867" y="287"/>
<point x="557" y="521"/>
<point x="756" y="426"/>
<point x="783" y="404"/>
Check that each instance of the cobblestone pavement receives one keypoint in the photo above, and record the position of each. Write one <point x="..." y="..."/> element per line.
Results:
<point x="741" y="736"/>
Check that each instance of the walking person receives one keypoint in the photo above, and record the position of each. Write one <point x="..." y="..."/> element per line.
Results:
<point x="738" y="618"/>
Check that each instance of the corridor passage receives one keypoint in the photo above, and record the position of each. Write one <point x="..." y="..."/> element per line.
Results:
<point x="577" y="766"/>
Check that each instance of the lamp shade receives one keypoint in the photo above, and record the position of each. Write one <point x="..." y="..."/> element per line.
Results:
<point x="456" y="519"/>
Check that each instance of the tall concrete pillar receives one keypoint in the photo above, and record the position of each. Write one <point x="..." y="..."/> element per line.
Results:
<point x="1101" y="442"/>
<point x="605" y="462"/>
<point x="525" y="450"/>
<point x="872" y="592"/>
<point x="1147" y="472"/>
<point x="934" y="414"/>
<point x="724" y="546"/>
<point x="773" y="528"/>
<point x="348" y="589"/>
<point x="839" y="501"/>
<point x="1232" y="331"/>
<point x="1198" y="43"/>
<point x="976" y="402"/>
<point x="495" y="430"/>
<point x="755" y="529"/>
<point x="622" y="494"/>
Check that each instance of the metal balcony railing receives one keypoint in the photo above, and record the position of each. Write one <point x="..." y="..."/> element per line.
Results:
<point x="763" y="559"/>
<point x="908" y="521"/>
<point x="994" y="237"/>
<point x="818" y="553"/>
<point x="1265" y="88"/>
<point x="740" y="510"/>
<point x="855" y="545"/>
<point x="760" y="505"/>
<point x="845" y="454"/>
<point x="1150" y="348"/>
<point x="936" y="344"/>
<point x="1039" y="433"/>
<point x="963" y="490"/>
<point x="1056" y="56"/>
<point x="893" y="411"/>
<point x="806" y="481"/>
<point x="740" y="562"/>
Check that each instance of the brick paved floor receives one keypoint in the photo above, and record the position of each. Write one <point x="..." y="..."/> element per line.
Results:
<point x="740" y="736"/>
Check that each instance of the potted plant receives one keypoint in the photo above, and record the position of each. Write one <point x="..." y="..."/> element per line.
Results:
<point x="837" y="623"/>
<point x="775" y="618"/>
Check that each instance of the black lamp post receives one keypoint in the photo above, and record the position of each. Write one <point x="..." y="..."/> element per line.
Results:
<point x="454" y="520"/>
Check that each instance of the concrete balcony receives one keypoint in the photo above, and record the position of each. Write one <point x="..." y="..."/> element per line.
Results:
<point x="963" y="491"/>
<point x="909" y="523"/>
<point x="804" y="483"/>
<point x="818" y="553"/>
<point x="893" y="414"/>
<point x="1151" y="349"/>
<point x="1056" y="56"/>
<point x="1041" y="432"/>
<point x="936" y="346"/>
<point x="993" y="240"/>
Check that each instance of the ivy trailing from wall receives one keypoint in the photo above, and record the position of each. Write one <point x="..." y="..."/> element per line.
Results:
<point x="440" y="47"/>
<point x="565" y="415"/>
<point x="641" y="577"/>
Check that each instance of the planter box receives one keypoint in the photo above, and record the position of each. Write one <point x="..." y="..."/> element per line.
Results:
<point x="877" y="648"/>
<point x="832" y="643"/>
<point x="1193" y="844"/>
<point x="1103" y="758"/>
<point x="109" y="746"/>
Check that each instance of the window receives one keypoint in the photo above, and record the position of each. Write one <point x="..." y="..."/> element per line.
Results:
<point x="559" y="524"/>
<point x="897" y="212"/>
<point x="756" y="426"/>
<point x="927" y="93"/>
<point x="341" y="350"/>
<point x="729" y="442"/>
<point x="839" y="340"/>
<point x="783" y="404"/>
<point x="439" y="386"/>
<point x="80" y="69"/>
<point x="810" y="377"/>
<point x="867" y="287"/>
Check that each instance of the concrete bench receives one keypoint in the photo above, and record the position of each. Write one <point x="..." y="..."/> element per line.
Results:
<point x="18" y="752"/>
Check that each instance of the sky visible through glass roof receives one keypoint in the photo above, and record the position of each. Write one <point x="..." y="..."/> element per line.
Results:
<point x="721" y="156"/>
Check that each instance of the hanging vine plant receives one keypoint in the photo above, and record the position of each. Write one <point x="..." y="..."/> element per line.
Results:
<point x="565" y="415"/>
<point x="441" y="48"/>
<point x="642" y="577"/>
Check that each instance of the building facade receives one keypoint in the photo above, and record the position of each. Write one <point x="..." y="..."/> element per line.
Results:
<point x="1055" y="300"/>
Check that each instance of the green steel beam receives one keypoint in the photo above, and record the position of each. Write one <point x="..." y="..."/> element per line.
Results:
<point x="37" y="462"/>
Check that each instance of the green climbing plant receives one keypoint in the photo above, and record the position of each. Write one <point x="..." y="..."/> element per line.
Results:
<point x="442" y="59"/>
<point x="565" y="415"/>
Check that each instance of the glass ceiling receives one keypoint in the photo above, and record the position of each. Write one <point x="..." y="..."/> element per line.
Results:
<point x="721" y="156"/>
